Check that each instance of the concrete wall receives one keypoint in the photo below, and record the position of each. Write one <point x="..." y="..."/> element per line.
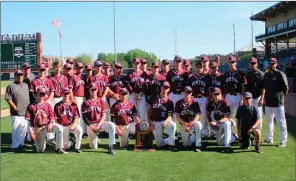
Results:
<point x="280" y="18"/>
<point x="290" y="104"/>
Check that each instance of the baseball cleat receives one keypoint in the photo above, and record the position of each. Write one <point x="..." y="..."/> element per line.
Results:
<point x="267" y="142"/>
<point x="111" y="150"/>
<point x="173" y="148"/>
<point x="282" y="145"/>
<point x="60" y="151"/>
<point x="84" y="135"/>
<point x="197" y="149"/>
<point x="227" y="150"/>
<point x="257" y="149"/>
<point x="213" y="137"/>
<point x="243" y="147"/>
<point x="78" y="150"/>
<point x="15" y="150"/>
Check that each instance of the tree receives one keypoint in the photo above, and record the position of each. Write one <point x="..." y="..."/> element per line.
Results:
<point x="102" y="57"/>
<point x="110" y="58"/>
<point x="84" y="59"/>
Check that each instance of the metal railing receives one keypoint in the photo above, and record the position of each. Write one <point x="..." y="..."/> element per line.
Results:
<point x="276" y="32"/>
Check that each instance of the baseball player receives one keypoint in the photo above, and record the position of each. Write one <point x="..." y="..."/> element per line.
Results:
<point x="94" y="115"/>
<point x="116" y="82"/>
<point x="68" y="72"/>
<point x="107" y="67"/>
<point x="67" y="115"/>
<point x="216" y="77"/>
<point x="43" y="81"/>
<point x="136" y="80"/>
<point x="165" y="67"/>
<point x="28" y="78"/>
<point x="206" y="62"/>
<point x="274" y="91"/>
<point x="143" y="66"/>
<point x="248" y="122"/>
<point x="154" y="81"/>
<point x="187" y="112"/>
<point x="187" y="67"/>
<point x="41" y="117"/>
<point x="159" y="112"/>
<point x="219" y="116"/>
<point x="235" y="82"/>
<point x="200" y="83"/>
<point x="17" y="96"/>
<point x="70" y="61"/>
<point x="254" y="79"/>
<point x="124" y="115"/>
<point x="86" y="78"/>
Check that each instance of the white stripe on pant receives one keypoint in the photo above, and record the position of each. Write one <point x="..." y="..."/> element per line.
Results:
<point x="279" y="114"/>
<point x="126" y="130"/>
<point x="187" y="139"/>
<point x="233" y="101"/>
<point x="41" y="137"/>
<point x="158" y="133"/>
<point x="108" y="127"/>
<point x="78" y="136"/>
<point x="19" y="129"/>
<point x="255" y="103"/>
<point x="224" y="134"/>
<point x="79" y="101"/>
<point x="140" y="106"/>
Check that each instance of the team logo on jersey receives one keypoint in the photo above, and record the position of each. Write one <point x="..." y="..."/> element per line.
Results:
<point x="177" y="78"/>
<point x="18" y="52"/>
<point x="137" y="79"/>
<point x="198" y="82"/>
<point x="154" y="82"/>
<point x="79" y="82"/>
<point x="189" y="112"/>
<point x="231" y="79"/>
<point x="116" y="83"/>
<point x="159" y="106"/>
<point x="124" y="111"/>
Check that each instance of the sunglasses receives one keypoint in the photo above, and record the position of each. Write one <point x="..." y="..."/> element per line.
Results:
<point x="42" y="94"/>
<point x="28" y="68"/>
<point x="124" y="93"/>
<point x="252" y="63"/>
<point x="93" y="90"/>
<point x="155" y="67"/>
<point x="166" y="87"/>
<point x="188" y="92"/>
<point x="41" y="70"/>
<point x="136" y="63"/>
<point x="216" y="94"/>
<point x="232" y="62"/>
<point x="143" y="62"/>
<point x="214" y="67"/>
<point x="118" y="67"/>
<point x="71" y="63"/>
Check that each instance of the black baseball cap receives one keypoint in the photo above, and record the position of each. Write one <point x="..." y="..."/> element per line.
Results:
<point x="165" y="61"/>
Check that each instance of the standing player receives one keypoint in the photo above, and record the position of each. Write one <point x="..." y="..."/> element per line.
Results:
<point x="216" y="78"/>
<point x="187" y="67"/>
<point x="116" y="82"/>
<point x="28" y="78"/>
<point x="70" y="61"/>
<point x="235" y="82"/>
<point x="274" y="91"/>
<point x="124" y="115"/>
<point x="67" y="115"/>
<point x="254" y="79"/>
<point x="159" y="112"/>
<point x="219" y="116"/>
<point x="154" y="81"/>
<point x="135" y="81"/>
<point x="187" y="113"/>
<point x="17" y="96"/>
<point x="206" y="62"/>
<point x="165" y="67"/>
<point x="94" y="115"/>
<point x="107" y="67"/>
<point x="143" y="66"/>
<point x="68" y="73"/>
<point x="86" y="78"/>
<point x="41" y="117"/>
<point x="200" y="83"/>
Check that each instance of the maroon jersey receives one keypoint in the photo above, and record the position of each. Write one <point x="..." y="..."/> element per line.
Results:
<point x="46" y="83"/>
<point x="178" y="80"/>
<point x="66" y="113"/>
<point x="216" y="81"/>
<point x="78" y="85"/>
<point x="199" y="85"/>
<point x="87" y="81"/>
<point x="116" y="83"/>
<point x="163" y="73"/>
<point x="154" y="84"/>
<point x="160" y="108"/>
<point x="218" y="111"/>
<point x="39" y="114"/>
<point x="234" y="81"/>
<point x="94" y="109"/>
<point x="136" y="81"/>
<point x="70" y="84"/>
<point x="187" y="111"/>
<point x="102" y="83"/>
<point x="59" y="83"/>
<point x="122" y="114"/>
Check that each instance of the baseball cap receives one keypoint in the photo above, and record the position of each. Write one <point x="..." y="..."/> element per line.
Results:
<point x="123" y="91"/>
<point x="253" y="60"/>
<point x="26" y="65"/>
<point x="165" y="61"/>
<point x="216" y="90"/>
<point x="166" y="84"/>
<point x="187" y="89"/>
<point x="198" y="63"/>
<point x="42" y="66"/>
<point x="70" y="61"/>
<point x="106" y="65"/>
<point x="67" y="66"/>
<point x="88" y="67"/>
<point x="78" y="64"/>
<point x="187" y="62"/>
<point x="18" y="72"/>
<point x="66" y="90"/>
<point x="98" y="63"/>
<point x="118" y="65"/>
<point x="143" y="60"/>
<point x="213" y="65"/>
<point x="136" y="60"/>
<point x="177" y="58"/>
<point x="93" y="86"/>
<point x="204" y="58"/>
<point x="272" y="60"/>
<point x="248" y="95"/>
<point x="41" y="90"/>
<point x="232" y="59"/>
<point x="155" y="64"/>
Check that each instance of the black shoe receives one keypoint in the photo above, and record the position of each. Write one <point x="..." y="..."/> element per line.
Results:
<point x="204" y="137"/>
<point x="84" y="135"/>
<point x="60" y="151"/>
<point x="78" y="150"/>
<point x="212" y="137"/>
<point x="173" y="148"/>
<point x="24" y="147"/>
<point x="111" y="150"/>
<point x="243" y="147"/>
<point x="227" y="150"/>
<point x="197" y="149"/>
<point x="15" y="150"/>
<point x="257" y="149"/>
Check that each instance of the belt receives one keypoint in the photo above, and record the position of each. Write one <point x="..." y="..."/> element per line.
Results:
<point x="57" y="97"/>
<point x="177" y="92"/>
<point x="199" y="96"/>
<point x="233" y="94"/>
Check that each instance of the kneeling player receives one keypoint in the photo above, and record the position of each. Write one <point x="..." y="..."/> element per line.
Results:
<point x="124" y="115"/>
<point x="94" y="114"/>
<point x="187" y="113"/>
<point x="41" y="117"/>
<point x="67" y="115"/>
<point x="219" y="116"/>
<point x="159" y="112"/>
<point x="248" y="122"/>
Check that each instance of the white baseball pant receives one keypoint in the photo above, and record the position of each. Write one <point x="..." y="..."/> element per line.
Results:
<point x="108" y="127"/>
<point x="158" y="133"/>
<point x="78" y="136"/>
<point x="107" y="106"/>
<point x="224" y="134"/>
<point x="51" y="136"/>
<point x="255" y="103"/>
<point x="19" y="129"/>
<point x="126" y="130"/>
<point x="233" y="101"/>
<point x="175" y="98"/>
<point x="79" y="101"/>
<point x="279" y="114"/>
<point x="187" y="139"/>
<point x="41" y="137"/>
<point x="140" y="106"/>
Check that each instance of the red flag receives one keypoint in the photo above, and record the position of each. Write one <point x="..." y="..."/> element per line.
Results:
<point x="56" y="23"/>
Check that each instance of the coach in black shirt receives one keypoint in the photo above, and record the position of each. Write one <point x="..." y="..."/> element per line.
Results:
<point x="248" y="122"/>
<point x="254" y="85"/>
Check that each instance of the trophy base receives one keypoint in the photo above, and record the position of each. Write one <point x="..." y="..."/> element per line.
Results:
<point x="143" y="149"/>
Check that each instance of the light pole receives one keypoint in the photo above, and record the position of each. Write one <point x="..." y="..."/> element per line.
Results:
<point x="114" y="31"/>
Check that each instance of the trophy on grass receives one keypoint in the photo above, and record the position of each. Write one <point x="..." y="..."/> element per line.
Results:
<point x="144" y="137"/>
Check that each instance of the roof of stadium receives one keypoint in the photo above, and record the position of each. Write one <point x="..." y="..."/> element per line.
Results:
<point x="280" y="7"/>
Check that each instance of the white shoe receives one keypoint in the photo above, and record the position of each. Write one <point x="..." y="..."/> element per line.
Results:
<point x="282" y="145"/>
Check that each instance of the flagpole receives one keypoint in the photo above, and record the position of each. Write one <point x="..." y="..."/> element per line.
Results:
<point x="114" y="31"/>
<point x="60" y="46"/>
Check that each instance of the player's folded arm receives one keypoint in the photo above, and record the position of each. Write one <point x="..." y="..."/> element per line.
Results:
<point x="85" y="118"/>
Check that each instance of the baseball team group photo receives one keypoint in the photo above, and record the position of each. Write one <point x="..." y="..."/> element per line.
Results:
<point x="136" y="115"/>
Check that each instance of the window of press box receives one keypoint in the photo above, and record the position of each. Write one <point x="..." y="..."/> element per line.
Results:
<point x="292" y="22"/>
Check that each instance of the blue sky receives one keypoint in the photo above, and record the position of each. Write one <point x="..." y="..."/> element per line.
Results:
<point x="87" y="27"/>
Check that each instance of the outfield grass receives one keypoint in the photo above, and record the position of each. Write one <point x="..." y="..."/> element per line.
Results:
<point x="4" y="104"/>
<point x="5" y="83"/>
<point x="273" y="164"/>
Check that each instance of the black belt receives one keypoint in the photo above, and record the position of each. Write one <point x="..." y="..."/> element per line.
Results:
<point x="233" y="94"/>
<point x="177" y="92"/>
<point x="57" y="97"/>
<point x="198" y="96"/>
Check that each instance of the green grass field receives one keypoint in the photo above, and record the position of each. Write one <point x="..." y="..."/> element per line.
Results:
<point x="273" y="164"/>
<point x="4" y="104"/>
<point x="5" y="83"/>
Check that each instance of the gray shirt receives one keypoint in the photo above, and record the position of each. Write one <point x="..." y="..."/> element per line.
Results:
<point x="247" y="116"/>
<point x="19" y="94"/>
